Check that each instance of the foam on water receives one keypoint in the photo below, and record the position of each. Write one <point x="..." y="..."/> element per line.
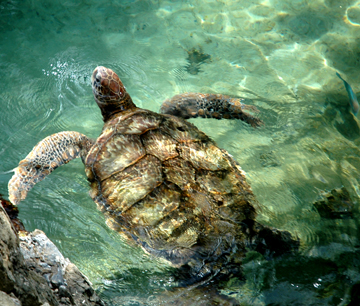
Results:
<point x="282" y="54"/>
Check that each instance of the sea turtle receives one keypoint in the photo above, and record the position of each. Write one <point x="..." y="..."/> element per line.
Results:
<point x="162" y="182"/>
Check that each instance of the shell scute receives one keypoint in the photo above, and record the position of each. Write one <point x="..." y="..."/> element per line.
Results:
<point x="218" y="182"/>
<point x="204" y="155"/>
<point x="129" y="186"/>
<point x="136" y="121"/>
<point x="170" y="225"/>
<point x="109" y="161"/>
<point x="139" y="123"/>
<point x="179" y="172"/>
<point x="155" y="206"/>
<point x="182" y="131"/>
<point x="159" y="145"/>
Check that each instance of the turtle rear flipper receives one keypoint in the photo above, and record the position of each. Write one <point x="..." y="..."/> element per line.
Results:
<point x="217" y="106"/>
<point x="45" y="157"/>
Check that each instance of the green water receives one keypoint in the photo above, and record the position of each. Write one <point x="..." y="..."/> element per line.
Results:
<point x="282" y="54"/>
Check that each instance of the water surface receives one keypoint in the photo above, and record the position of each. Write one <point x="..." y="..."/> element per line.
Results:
<point x="281" y="54"/>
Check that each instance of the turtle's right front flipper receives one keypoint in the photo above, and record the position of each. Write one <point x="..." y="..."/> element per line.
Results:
<point x="217" y="106"/>
<point x="45" y="157"/>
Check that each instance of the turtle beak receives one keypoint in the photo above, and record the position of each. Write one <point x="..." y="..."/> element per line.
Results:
<point x="96" y="82"/>
<point x="94" y="79"/>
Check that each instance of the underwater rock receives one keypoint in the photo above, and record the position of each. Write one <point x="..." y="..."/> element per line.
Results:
<point x="34" y="272"/>
<point x="12" y="212"/>
<point x="355" y="295"/>
<point x="335" y="204"/>
<point x="8" y="300"/>
<point x="269" y="159"/>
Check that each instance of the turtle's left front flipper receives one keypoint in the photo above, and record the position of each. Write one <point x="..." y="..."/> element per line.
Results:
<point x="45" y="157"/>
<point x="192" y="105"/>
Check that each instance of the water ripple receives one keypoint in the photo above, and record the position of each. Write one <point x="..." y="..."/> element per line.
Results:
<point x="281" y="54"/>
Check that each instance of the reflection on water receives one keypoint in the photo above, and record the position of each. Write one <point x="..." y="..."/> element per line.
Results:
<point x="282" y="54"/>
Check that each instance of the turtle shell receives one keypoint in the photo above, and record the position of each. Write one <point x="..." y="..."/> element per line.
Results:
<point x="169" y="188"/>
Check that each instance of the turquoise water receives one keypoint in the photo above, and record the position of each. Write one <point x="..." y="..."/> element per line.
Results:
<point x="281" y="54"/>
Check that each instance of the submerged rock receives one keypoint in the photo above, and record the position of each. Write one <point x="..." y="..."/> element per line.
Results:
<point x="34" y="272"/>
<point x="336" y="204"/>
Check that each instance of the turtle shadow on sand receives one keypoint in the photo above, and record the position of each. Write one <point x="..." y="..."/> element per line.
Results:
<point x="196" y="57"/>
<point x="165" y="185"/>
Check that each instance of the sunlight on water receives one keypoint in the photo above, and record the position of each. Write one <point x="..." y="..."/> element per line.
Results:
<point x="281" y="54"/>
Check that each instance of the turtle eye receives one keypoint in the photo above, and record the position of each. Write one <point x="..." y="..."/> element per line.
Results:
<point x="98" y="80"/>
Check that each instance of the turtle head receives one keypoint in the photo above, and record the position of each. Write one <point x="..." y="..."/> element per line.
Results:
<point x="109" y="92"/>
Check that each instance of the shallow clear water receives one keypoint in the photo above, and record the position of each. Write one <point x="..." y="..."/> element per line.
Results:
<point x="282" y="54"/>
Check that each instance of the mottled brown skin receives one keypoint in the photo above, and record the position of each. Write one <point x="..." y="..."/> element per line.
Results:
<point x="161" y="182"/>
<point x="217" y="106"/>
